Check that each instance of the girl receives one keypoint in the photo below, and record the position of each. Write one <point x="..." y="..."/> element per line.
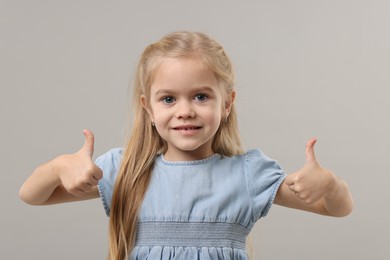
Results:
<point x="183" y="188"/>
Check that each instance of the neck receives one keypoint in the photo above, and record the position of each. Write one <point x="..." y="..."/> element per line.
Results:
<point x="187" y="155"/>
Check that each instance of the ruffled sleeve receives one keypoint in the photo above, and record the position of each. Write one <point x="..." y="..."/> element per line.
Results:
<point x="264" y="177"/>
<point x="109" y="163"/>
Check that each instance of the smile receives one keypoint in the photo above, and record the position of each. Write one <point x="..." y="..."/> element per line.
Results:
<point x="187" y="128"/>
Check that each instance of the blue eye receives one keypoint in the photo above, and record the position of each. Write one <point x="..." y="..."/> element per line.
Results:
<point x="168" y="99"/>
<point x="201" y="97"/>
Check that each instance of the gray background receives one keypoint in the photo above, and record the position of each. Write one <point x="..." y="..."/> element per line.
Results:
<point x="304" y="68"/>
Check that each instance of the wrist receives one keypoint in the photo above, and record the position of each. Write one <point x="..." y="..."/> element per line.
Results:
<point x="334" y="186"/>
<point x="338" y="202"/>
<point x="54" y="169"/>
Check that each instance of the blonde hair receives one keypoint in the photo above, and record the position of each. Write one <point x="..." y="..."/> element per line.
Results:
<point x="144" y="143"/>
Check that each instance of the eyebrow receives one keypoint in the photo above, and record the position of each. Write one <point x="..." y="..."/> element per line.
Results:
<point x="195" y="90"/>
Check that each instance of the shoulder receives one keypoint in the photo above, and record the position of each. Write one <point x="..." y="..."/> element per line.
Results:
<point x="109" y="163"/>
<point x="113" y="156"/>
<point x="256" y="157"/>
<point x="251" y="158"/>
<point x="253" y="163"/>
<point x="114" y="152"/>
<point x="256" y="162"/>
<point x="264" y="176"/>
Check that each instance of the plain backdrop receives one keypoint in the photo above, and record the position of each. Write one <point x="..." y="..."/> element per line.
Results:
<point x="304" y="69"/>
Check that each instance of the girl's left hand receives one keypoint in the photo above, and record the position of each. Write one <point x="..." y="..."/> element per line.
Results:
<point x="312" y="182"/>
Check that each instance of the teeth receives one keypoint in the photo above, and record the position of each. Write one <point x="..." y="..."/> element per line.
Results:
<point x="190" y="128"/>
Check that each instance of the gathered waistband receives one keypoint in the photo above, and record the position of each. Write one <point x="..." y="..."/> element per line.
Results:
<point x="191" y="234"/>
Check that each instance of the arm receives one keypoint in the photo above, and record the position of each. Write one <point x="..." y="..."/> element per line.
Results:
<point x="315" y="189"/>
<point x="70" y="177"/>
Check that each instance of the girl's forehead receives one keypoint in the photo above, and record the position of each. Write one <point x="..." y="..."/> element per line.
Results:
<point x="183" y="72"/>
<point x="196" y="63"/>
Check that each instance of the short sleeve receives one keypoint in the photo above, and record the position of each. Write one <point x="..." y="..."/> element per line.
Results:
<point x="109" y="163"/>
<point x="264" y="177"/>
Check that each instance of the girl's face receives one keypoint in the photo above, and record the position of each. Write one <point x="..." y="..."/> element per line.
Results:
<point x="186" y="106"/>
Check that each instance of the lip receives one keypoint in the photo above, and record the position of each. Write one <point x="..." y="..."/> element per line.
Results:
<point x="187" y="128"/>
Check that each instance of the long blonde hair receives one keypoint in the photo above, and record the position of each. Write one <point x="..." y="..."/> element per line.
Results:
<point x="144" y="143"/>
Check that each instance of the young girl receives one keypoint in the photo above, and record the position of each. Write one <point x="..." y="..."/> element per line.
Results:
<point x="182" y="188"/>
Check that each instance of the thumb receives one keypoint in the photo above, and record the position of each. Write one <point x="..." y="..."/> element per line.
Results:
<point x="310" y="156"/>
<point x="88" y="146"/>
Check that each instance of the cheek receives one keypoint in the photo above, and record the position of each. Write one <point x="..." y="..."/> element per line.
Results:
<point x="153" y="111"/>
<point x="160" y="116"/>
<point x="213" y="116"/>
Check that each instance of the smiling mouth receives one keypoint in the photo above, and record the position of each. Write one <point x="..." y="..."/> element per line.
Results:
<point x="187" y="128"/>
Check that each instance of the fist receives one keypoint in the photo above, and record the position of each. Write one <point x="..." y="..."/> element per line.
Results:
<point x="78" y="172"/>
<point x="312" y="182"/>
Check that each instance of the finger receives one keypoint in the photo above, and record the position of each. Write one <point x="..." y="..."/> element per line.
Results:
<point x="85" y="187"/>
<point x="289" y="180"/>
<point x="78" y="192"/>
<point x="292" y="188"/>
<point x="98" y="173"/>
<point x="93" y="181"/>
<point x="89" y="142"/>
<point x="310" y="156"/>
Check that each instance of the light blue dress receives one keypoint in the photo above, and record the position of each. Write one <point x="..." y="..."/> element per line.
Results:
<point x="198" y="209"/>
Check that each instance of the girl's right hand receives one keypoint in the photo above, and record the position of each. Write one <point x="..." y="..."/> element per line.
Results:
<point x="69" y="177"/>
<point x="78" y="173"/>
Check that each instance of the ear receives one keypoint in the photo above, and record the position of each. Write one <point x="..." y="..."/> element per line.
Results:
<point x="229" y="103"/>
<point x="145" y="105"/>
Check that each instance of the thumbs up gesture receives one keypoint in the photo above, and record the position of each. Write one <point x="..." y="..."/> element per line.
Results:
<point x="78" y="172"/>
<point x="312" y="182"/>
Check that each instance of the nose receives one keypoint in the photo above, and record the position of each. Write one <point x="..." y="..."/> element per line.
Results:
<point x="185" y="109"/>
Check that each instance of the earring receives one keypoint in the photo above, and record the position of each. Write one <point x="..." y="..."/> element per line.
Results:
<point x="153" y="124"/>
<point x="226" y="118"/>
